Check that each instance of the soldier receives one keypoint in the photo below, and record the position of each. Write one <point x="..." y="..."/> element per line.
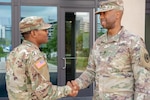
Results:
<point x="119" y="62"/>
<point x="27" y="74"/>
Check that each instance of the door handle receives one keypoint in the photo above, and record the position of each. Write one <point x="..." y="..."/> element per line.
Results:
<point x="64" y="67"/>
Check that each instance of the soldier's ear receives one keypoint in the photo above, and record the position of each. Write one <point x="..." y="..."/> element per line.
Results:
<point x="33" y="33"/>
<point x="117" y="14"/>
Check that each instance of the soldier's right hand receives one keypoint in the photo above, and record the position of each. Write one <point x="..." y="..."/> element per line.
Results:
<point x="75" y="90"/>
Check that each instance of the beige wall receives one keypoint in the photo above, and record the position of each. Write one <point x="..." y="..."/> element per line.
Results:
<point x="134" y="16"/>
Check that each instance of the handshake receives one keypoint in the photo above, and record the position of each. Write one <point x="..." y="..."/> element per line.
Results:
<point x="75" y="88"/>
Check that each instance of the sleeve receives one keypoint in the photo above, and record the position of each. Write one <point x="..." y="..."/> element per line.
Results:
<point x="47" y="91"/>
<point x="87" y="77"/>
<point x="42" y="88"/>
<point x="140" y="65"/>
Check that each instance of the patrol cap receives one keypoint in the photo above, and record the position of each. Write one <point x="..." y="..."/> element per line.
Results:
<point x="31" y="23"/>
<point x="108" y="5"/>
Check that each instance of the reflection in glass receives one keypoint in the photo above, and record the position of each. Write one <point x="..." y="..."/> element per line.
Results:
<point x="82" y="40"/>
<point x="76" y="43"/>
<point x="5" y="35"/>
<point x="49" y="14"/>
<point x="5" y="44"/>
<point x="100" y="29"/>
<point x="5" y="0"/>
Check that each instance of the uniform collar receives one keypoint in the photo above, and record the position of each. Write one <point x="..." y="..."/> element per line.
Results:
<point x="26" y="42"/>
<point x="114" y="38"/>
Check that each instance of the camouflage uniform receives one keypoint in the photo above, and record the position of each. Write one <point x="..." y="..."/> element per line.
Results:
<point x="119" y="65"/>
<point x="27" y="74"/>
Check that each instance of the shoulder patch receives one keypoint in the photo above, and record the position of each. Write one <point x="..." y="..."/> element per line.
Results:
<point x="144" y="58"/>
<point x="40" y="63"/>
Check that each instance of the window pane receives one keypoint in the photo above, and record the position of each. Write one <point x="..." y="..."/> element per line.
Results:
<point x="5" y="44"/>
<point x="5" y="0"/>
<point x="76" y="43"/>
<point x="82" y="40"/>
<point x="49" y="14"/>
<point x="100" y="29"/>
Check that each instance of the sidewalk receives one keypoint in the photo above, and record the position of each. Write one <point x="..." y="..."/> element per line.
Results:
<point x="2" y="67"/>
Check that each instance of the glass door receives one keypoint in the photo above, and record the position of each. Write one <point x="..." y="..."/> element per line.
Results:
<point x="76" y="42"/>
<point x="5" y="44"/>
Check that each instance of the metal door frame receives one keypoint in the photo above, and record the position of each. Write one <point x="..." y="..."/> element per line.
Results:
<point x="61" y="40"/>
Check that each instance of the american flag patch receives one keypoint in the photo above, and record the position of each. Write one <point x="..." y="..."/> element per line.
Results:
<point x="40" y="63"/>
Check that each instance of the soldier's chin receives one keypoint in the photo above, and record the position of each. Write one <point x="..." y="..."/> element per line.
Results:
<point x="103" y="26"/>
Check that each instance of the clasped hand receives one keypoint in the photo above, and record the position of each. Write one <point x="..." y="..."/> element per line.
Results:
<point x="75" y="88"/>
